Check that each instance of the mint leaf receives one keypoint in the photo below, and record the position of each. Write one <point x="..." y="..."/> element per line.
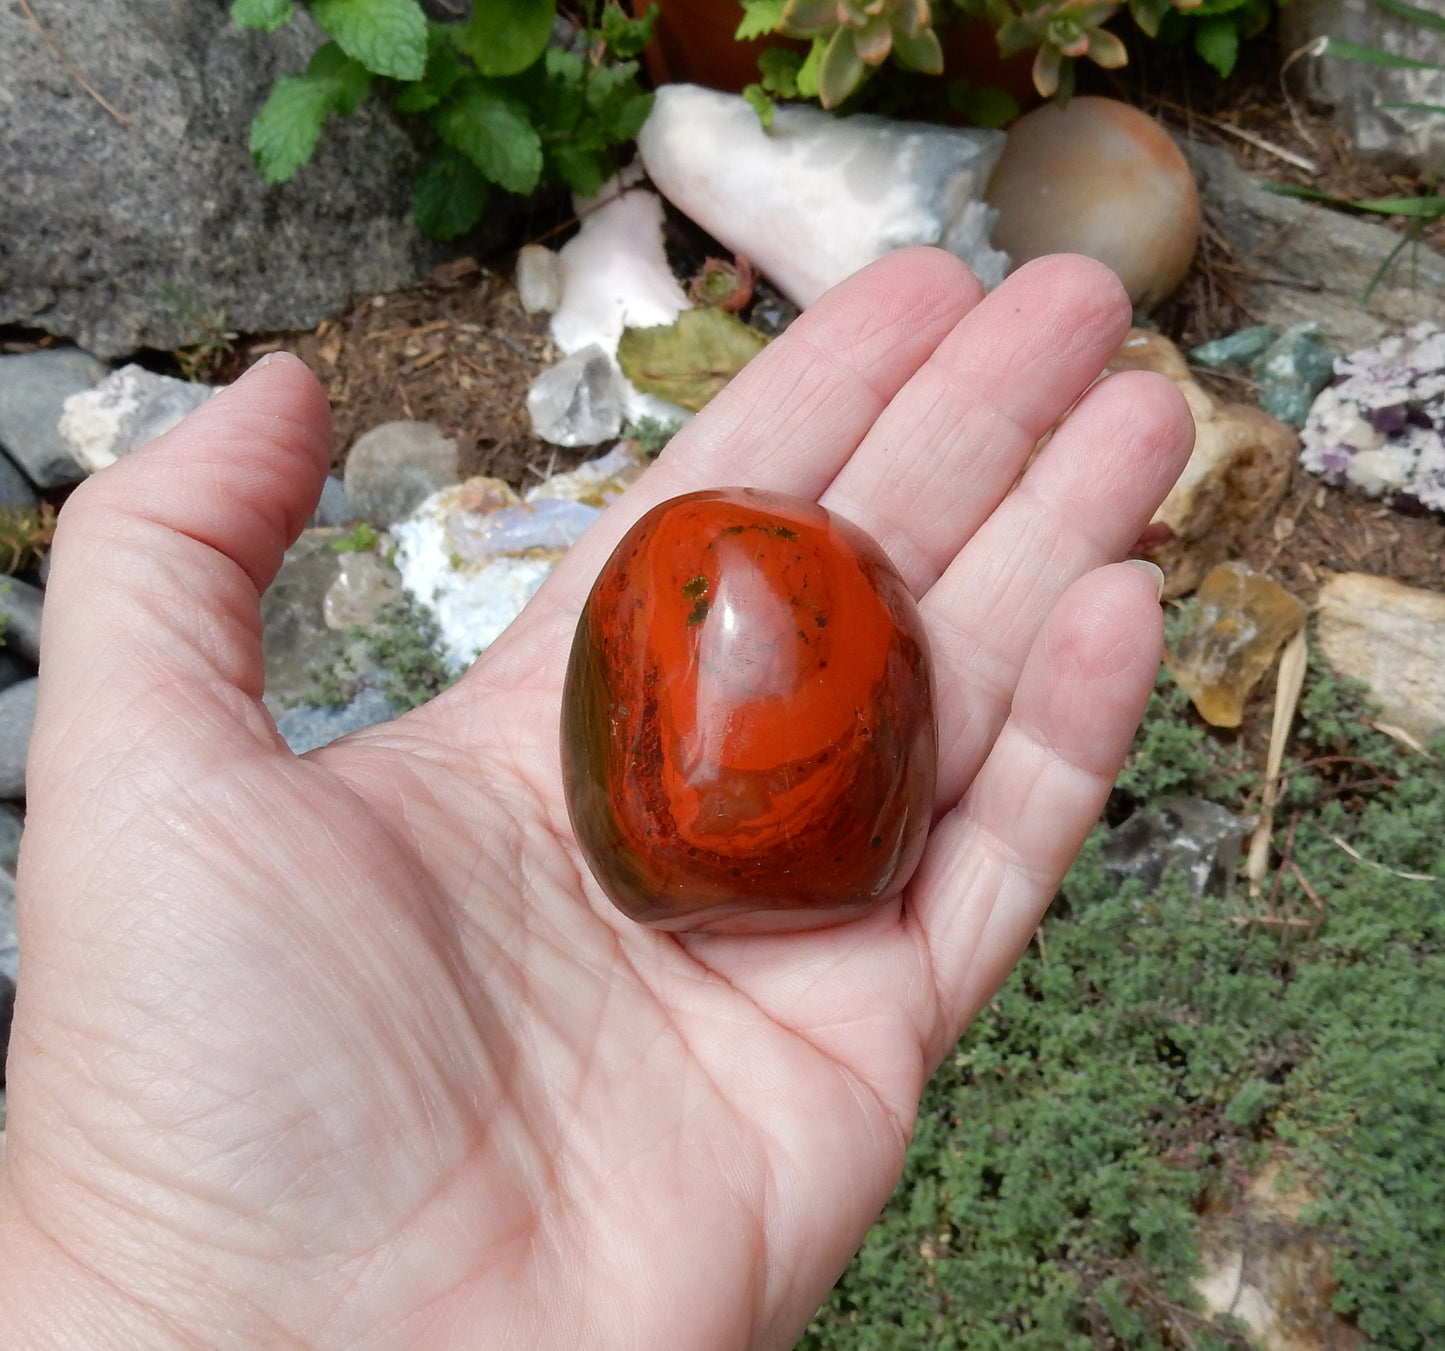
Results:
<point x="582" y="167"/>
<point x="623" y="35"/>
<point x="388" y="37"/>
<point x="449" y="196"/>
<point x="493" y="131"/>
<point x="1217" y="42"/>
<point x="504" y="37"/>
<point x="759" y="17"/>
<point x="285" y="131"/>
<point x="443" y="69"/>
<point x="267" y="15"/>
<point x="284" y="134"/>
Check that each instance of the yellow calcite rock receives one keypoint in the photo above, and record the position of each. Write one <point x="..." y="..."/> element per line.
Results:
<point x="1242" y="619"/>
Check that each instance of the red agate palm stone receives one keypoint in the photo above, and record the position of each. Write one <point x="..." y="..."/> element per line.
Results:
<point x="748" y="734"/>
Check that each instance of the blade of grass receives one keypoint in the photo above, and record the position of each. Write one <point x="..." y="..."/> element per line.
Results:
<point x="1416" y="107"/>
<point x="1355" y="51"/>
<point x="1426" y="17"/>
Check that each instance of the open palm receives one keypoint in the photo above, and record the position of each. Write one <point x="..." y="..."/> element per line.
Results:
<point x="349" y="1050"/>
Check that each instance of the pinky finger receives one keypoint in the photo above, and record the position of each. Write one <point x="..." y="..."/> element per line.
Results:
<point x="995" y="861"/>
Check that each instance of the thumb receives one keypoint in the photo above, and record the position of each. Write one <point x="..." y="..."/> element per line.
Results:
<point x="152" y="617"/>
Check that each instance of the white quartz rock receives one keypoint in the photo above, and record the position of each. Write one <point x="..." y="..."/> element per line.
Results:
<point x="817" y="197"/>
<point x="615" y="273"/>
<point x="125" y="410"/>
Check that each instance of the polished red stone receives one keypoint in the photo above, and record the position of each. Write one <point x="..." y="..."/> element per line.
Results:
<point x="748" y="734"/>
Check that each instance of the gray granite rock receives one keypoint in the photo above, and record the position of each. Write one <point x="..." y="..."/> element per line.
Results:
<point x="304" y="728"/>
<point x="21" y="604"/>
<point x="395" y="467"/>
<point x="146" y="224"/>
<point x="125" y="410"/>
<point x="17" y="717"/>
<point x="1311" y="263"/>
<point x="1366" y="97"/>
<point x="33" y="389"/>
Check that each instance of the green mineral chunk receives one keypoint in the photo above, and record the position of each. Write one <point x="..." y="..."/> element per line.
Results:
<point x="1291" y="371"/>
<point x="1235" y="349"/>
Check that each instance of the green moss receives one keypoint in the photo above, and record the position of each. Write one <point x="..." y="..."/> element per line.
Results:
<point x="1154" y="1050"/>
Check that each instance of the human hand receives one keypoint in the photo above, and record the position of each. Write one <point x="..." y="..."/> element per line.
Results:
<point x="348" y="1050"/>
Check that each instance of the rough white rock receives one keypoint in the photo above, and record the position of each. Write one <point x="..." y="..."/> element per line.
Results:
<point x="1381" y="426"/>
<point x="538" y="275"/>
<point x="816" y="197"/>
<point x="475" y="554"/>
<point x="125" y="410"/>
<point x="1393" y="638"/>
<point x="614" y="274"/>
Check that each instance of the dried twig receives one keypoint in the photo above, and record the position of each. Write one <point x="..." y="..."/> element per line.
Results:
<point x="1286" y="699"/>
<point x="70" y="69"/>
<point x="1384" y="868"/>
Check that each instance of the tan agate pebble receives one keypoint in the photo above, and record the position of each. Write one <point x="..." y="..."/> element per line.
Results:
<point x="1103" y="179"/>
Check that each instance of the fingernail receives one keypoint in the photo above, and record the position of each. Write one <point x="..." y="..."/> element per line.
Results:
<point x="268" y="359"/>
<point x="1156" y="574"/>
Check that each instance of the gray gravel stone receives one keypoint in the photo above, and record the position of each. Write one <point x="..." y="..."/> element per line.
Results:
<point x="305" y="728"/>
<point x="125" y="410"/>
<point x="334" y="508"/>
<point x="295" y="642"/>
<point x="21" y="605"/>
<point x="12" y="825"/>
<point x="33" y="389"/>
<point x="16" y="491"/>
<point x="394" y="467"/>
<point x="17" y="717"/>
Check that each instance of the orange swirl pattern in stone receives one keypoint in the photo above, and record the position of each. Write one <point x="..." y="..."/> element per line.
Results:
<point x="748" y="733"/>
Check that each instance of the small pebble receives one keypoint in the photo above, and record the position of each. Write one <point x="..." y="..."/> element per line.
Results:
<point x="33" y="389"/>
<point x="17" y="717"/>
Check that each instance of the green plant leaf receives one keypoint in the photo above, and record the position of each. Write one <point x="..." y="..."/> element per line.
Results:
<point x="1217" y="42"/>
<point x="922" y="52"/>
<point x="1415" y="107"/>
<point x="690" y="360"/>
<point x="504" y="37"/>
<point x="582" y="167"/>
<point x="1427" y="207"/>
<point x="841" y="70"/>
<point x="808" y="18"/>
<point x="1427" y="18"/>
<point x="758" y="100"/>
<point x="388" y="37"/>
<point x="808" y="71"/>
<point x="624" y="36"/>
<point x="983" y="105"/>
<point x="443" y="69"/>
<point x="267" y="15"/>
<point x="1354" y="51"/>
<point x="495" y="133"/>
<point x="779" y="70"/>
<point x="760" y="17"/>
<point x="449" y="196"/>
<point x="285" y="132"/>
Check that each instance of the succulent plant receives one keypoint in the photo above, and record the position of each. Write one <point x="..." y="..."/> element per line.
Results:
<point x="860" y="34"/>
<point x="1062" y="31"/>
